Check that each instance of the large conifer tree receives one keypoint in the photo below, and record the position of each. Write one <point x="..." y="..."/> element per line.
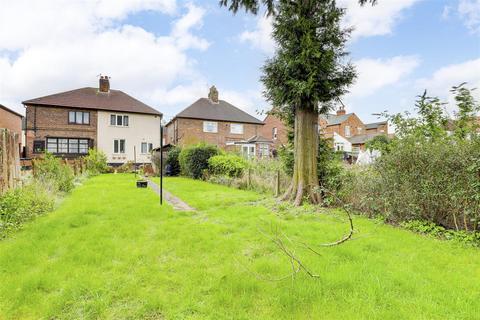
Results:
<point x="307" y="73"/>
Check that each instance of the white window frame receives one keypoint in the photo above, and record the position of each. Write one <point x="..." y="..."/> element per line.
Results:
<point x="274" y="133"/>
<point x="122" y="118"/>
<point x="144" y="144"/>
<point x="206" y="124"/>
<point x="238" y="126"/>
<point x="119" y="144"/>
<point x="348" y="133"/>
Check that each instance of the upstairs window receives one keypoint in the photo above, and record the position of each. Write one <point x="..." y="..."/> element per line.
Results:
<point x="274" y="133"/>
<point x="78" y="117"/>
<point x="119" y="120"/>
<point x="347" y="131"/>
<point x="236" y="128"/>
<point x="209" y="126"/>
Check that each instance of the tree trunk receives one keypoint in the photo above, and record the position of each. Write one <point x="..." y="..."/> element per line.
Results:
<point x="305" y="180"/>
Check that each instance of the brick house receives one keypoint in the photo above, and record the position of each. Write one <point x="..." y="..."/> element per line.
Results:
<point x="218" y="122"/>
<point x="69" y="123"/>
<point x="12" y="121"/>
<point x="347" y="130"/>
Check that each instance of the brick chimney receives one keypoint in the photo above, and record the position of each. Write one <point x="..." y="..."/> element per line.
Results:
<point x="213" y="94"/>
<point x="341" y="111"/>
<point x="104" y="84"/>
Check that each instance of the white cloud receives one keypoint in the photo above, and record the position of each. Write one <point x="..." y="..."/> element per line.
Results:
<point x="374" y="74"/>
<point x="375" y="20"/>
<point x="54" y="52"/>
<point x="444" y="78"/>
<point x="469" y="10"/>
<point x="367" y="20"/>
<point x="261" y="36"/>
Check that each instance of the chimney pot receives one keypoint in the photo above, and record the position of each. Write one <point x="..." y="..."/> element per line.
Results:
<point x="341" y="111"/>
<point x="104" y="84"/>
<point x="213" y="94"/>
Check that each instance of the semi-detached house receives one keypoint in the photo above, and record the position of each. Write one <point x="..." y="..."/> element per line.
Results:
<point x="67" y="124"/>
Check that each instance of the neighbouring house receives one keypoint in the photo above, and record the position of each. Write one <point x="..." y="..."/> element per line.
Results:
<point x="347" y="130"/>
<point x="214" y="121"/>
<point x="12" y="121"/>
<point x="67" y="124"/>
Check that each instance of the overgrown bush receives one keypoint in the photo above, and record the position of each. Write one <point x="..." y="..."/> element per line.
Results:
<point x="20" y="205"/>
<point x="173" y="162"/>
<point x="96" y="162"/>
<point x="229" y="165"/>
<point x="51" y="171"/>
<point x="428" y="174"/>
<point x="194" y="159"/>
<point x="127" y="167"/>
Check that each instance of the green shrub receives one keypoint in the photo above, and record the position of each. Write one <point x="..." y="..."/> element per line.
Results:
<point x="51" y="171"/>
<point x="229" y="165"/>
<point x="127" y="167"/>
<point x="194" y="159"/>
<point x="173" y="161"/>
<point x="96" y="162"/>
<point x="20" y="205"/>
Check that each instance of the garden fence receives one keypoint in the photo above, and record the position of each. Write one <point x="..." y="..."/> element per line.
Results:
<point x="9" y="160"/>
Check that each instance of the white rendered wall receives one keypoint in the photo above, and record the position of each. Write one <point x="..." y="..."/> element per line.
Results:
<point x="142" y="128"/>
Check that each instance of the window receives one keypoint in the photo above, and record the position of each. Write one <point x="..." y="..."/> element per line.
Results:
<point x="38" y="146"/>
<point x="359" y="129"/>
<point x="118" y="120"/>
<point x="150" y="147"/>
<point x="119" y="146"/>
<point x="347" y="131"/>
<point x="236" y="128"/>
<point x="78" y="117"/>
<point x="144" y="147"/>
<point x="339" y="146"/>
<point x="67" y="145"/>
<point x="209" y="126"/>
<point x="263" y="150"/>
<point x="274" y="133"/>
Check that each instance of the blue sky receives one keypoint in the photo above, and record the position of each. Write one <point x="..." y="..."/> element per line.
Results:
<point x="167" y="53"/>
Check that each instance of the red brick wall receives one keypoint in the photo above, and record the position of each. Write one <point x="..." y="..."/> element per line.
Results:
<point x="190" y="131"/>
<point x="45" y="122"/>
<point x="267" y="130"/>
<point x="356" y="127"/>
<point x="10" y="121"/>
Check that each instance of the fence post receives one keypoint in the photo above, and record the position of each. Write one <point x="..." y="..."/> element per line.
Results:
<point x="277" y="184"/>
<point x="249" y="178"/>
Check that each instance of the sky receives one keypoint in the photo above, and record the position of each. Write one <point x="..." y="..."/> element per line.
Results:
<point x="167" y="53"/>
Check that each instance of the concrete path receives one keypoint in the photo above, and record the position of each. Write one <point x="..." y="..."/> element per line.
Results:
<point x="175" y="202"/>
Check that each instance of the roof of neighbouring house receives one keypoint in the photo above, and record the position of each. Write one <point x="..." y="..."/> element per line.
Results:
<point x="333" y="119"/>
<point x="362" y="138"/>
<point x="205" y="109"/>
<point x="258" y="138"/>
<point x="10" y="110"/>
<point x="375" y="124"/>
<point x="91" y="98"/>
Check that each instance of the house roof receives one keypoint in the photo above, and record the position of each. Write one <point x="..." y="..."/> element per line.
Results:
<point x="10" y="110"/>
<point x="258" y="138"/>
<point x="375" y="124"/>
<point x="91" y="98"/>
<point x="333" y="119"/>
<point x="205" y="109"/>
<point x="362" y="138"/>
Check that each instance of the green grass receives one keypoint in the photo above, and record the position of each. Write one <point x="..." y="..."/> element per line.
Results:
<point x="111" y="252"/>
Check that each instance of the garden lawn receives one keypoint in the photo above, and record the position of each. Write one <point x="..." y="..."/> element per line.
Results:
<point x="111" y="252"/>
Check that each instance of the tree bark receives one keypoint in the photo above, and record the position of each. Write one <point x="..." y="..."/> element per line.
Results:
<point x="304" y="184"/>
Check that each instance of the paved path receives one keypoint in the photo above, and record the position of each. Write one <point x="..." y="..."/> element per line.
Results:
<point x="175" y="202"/>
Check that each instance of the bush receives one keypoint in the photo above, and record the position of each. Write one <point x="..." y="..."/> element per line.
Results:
<point x="427" y="174"/>
<point x="23" y="204"/>
<point x="194" y="159"/>
<point x="51" y="171"/>
<point x="127" y="167"/>
<point x="96" y="162"/>
<point x="173" y="162"/>
<point x="229" y="165"/>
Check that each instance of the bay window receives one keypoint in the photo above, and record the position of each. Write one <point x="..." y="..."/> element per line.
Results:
<point x="67" y="145"/>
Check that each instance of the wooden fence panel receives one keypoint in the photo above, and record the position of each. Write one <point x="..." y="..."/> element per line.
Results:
<point x="9" y="160"/>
